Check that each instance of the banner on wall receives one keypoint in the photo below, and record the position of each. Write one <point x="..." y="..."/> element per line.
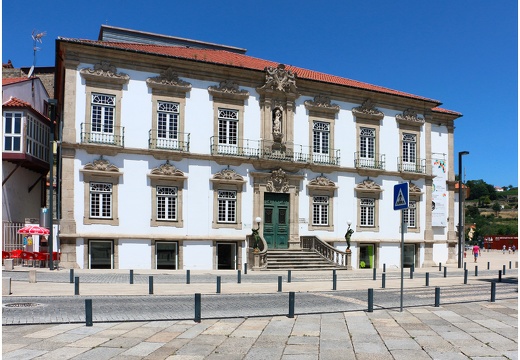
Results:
<point x="439" y="194"/>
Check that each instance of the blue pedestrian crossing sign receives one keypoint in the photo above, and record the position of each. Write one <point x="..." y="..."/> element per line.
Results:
<point x="401" y="192"/>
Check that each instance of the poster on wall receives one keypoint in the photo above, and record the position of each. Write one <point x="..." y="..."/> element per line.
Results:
<point x="439" y="193"/>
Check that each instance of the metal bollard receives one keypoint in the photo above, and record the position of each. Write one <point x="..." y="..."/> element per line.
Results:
<point x="464" y="265"/>
<point x="334" y="279"/>
<point x="150" y="285"/>
<point x="218" y="284"/>
<point x="384" y="267"/>
<point x="411" y="273"/>
<point x="291" y="304"/>
<point x="488" y="265"/>
<point x="71" y="276"/>
<point x="427" y="279"/>
<point x="188" y="280"/>
<point x="88" y="312"/>
<point x="437" y="296"/>
<point x="499" y="275"/>
<point x="493" y="290"/>
<point x="413" y="268"/>
<point x="465" y="276"/>
<point x="245" y="268"/>
<point x="476" y="270"/>
<point x="374" y="274"/>
<point x="383" y="280"/>
<point x="370" y="300"/>
<point x="131" y="276"/>
<point x="76" y="286"/>
<point x="439" y="266"/>
<point x="289" y="273"/>
<point x="445" y="271"/>
<point x="197" y="307"/>
<point x="510" y="265"/>
<point x="503" y="269"/>
<point x="279" y="284"/>
<point x="239" y="277"/>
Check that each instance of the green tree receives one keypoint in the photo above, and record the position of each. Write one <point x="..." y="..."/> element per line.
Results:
<point x="479" y="188"/>
<point x="496" y="207"/>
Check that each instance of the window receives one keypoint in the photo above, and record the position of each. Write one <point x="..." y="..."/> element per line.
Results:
<point x="101" y="254"/>
<point x="166" y="203"/>
<point x="227" y="199"/>
<point x="367" y="212"/>
<point x="167" y="121"/>
<point x="101" y="180"/>
<point x="166" y="183"/>
<point x="37" y="139"/>
<point x="227" y="127"/>
<point x="102" y="117"/>
<point x="227" y="205"/>
<point x="321" y="142"/>
<point x="320" y="215"/>
<point x="13" y="131"/>
<point x="410" y="215"/>
<point x="367" y="143"/>
<point x="100" y="200"/>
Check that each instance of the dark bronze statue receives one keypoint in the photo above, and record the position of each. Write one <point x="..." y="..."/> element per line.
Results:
<point x="348" y="235"/>
<point x="256" y="239"/>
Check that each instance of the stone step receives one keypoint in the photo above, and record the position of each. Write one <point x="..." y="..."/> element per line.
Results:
<point x="297" y="260"/>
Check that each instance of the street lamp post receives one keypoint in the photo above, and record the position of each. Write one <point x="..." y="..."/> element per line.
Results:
<point x="461" y="222"/>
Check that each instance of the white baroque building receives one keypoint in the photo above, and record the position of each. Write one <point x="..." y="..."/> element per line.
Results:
<point x="171" y="151"/>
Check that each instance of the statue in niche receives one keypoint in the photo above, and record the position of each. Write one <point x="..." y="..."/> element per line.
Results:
<point x="277" y="124"/>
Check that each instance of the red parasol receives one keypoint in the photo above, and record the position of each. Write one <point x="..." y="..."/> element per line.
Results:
<point x="33" y="230"/>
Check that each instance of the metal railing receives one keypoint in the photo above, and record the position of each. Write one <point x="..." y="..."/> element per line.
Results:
<point x="114" y="135"/>
<point x="327" y="251"/>
<point x="11" y="240"/>
<point x="416" y="166"/>
<point x="271" y="150"/>
<point x="377" y="162"/>
<point x="181" y="142"/>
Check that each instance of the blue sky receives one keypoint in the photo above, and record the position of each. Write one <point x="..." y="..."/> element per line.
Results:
<point x="461" y="52"/>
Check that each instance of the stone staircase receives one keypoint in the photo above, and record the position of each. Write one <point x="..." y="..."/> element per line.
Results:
<point x="298" y="260"/>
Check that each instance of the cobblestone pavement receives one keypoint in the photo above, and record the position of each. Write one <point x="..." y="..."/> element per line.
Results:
<point x="476" y="330"/>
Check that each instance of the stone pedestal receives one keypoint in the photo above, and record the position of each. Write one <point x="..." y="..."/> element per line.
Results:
<point x="8" y="264"/>
<point x="6" y="286"/>
<point x="349" y="259"/>
<point x="32" y="276"/>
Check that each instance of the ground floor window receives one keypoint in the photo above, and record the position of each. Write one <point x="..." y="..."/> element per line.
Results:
<point x="166" y="255"/>
<point x="101" y="254"/>
<point x="366" y="256"/>
<point x="226" y="256"/>
<point x="409" y="255"/>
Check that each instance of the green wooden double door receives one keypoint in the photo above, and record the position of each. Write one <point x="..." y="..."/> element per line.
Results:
<point x="276" y="220"/>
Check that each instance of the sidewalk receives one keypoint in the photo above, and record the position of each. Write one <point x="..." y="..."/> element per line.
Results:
<point x="453" y="331"/>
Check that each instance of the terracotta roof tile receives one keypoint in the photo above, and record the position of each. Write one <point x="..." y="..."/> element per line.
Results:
<point x="446" y="111"/>
<point x="14" y="80"/>
<point x="14" y="102"/>
<point x="223" y="57"/>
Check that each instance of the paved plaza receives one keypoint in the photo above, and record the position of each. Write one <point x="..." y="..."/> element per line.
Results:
<point x="249" y="317"/>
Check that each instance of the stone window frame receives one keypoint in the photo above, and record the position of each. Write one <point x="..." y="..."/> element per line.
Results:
<point x="227" y="179"/>
<point x="103" y="79"/>
<point x="367" y="115"/>
<point x="368" y="189"/>
<point x="101" y="170"/>
<point x="227" y="95"/>
<point x="115" y="252"/>
<point x="167" y="175"/>
<point x="414" y="194"/>
<point x="322" y="110"/>
<point x="168" y="87"/>
<point x="321" y="186"/>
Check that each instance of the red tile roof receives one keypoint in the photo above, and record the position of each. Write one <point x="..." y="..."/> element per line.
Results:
<point x="17" y="103"/>
<point x="14" y="80"/>
<point x="243" y="61"/>
<point x="445" y="111"/>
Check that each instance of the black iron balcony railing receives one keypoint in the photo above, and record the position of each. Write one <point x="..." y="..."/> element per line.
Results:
<point x="376" y="162"/>
<point x="103" y="134"/>
<point x="177" y="142"/>
<point x="417" y="166"/>
<point x="271" y="150"/>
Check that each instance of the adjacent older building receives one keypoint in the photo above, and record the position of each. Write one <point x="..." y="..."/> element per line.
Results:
<point x="174" y="151"/>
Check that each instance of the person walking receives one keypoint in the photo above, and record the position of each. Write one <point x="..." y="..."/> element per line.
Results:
<point x="514" y="249"/>
<point x="503" y="249"/>
<point x="476" y="250"/>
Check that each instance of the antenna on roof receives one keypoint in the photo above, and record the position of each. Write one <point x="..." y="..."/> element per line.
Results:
<point x="37" y="37"/>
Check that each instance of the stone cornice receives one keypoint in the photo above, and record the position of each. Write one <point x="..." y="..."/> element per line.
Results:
<point x="368" y="185"/>
<point x="322" y="183"/>
<point x="409" y="117"/>
<point x="321" y="103"/>
<point x="228" y="176"/>
<point x="101" y="167"/>
<point x="168" y="80"/>
<point x="367" y="110"/>
<point x="167" y="171"/>
<point x="228" y="89"/>
<point x="105" y="72"/>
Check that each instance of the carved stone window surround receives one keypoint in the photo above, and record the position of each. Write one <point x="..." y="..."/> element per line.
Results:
<point x="167" y="175"/>
<point x="227" y="179"/>
<point x="371" y="190"/>
<point x="103" y="171"/>
<point x="324" y="187"/>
